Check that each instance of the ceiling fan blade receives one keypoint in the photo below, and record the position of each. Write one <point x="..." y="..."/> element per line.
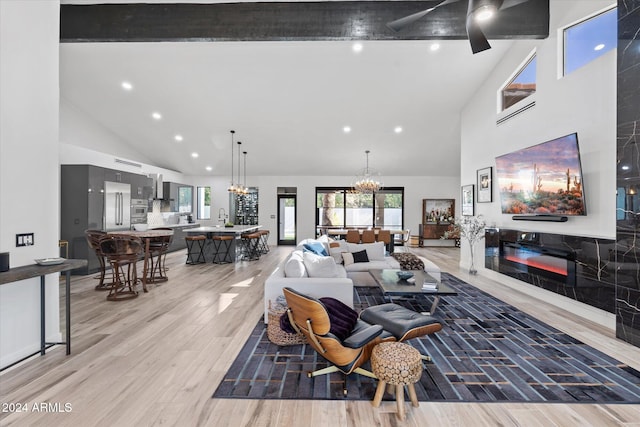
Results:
<point x="477" y="38"/>
<point x="399" y="24"/>
<point x="510" y="3"/>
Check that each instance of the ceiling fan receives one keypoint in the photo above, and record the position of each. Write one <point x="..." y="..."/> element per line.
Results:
<point x="477" y="12"/>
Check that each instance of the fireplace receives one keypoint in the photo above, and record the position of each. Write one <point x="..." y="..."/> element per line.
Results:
<point x="572" y="266"/>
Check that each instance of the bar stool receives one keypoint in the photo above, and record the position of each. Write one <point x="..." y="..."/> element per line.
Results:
<point x="195" y="247"/>
<point x="264" y="241"/>
<point x="218" y="250"/>
<point x="158" y="248"/>
<point x="122" y="251"/>
<point x="250" y="242"/>
<point x="93" y="239"/>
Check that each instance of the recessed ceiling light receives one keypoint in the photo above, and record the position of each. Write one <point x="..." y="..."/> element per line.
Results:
<point x="126" y="86"/>
<point x="194" y="155"/>
<point x="599" y="47"/>
<point x="346" y="129"/>
<point x="156" y="115"/>
<point x="625" y="168"/>
<point x="209" y="168"/>
<point x="357" y="47"/>
<point x="397" y="129"/>
<point x="178" y="138"/>
<point x="434" y="47"/>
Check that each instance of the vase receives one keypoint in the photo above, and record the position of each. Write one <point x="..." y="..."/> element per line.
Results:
<point x="472" y="267"/>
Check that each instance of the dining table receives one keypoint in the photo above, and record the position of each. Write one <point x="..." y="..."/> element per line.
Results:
<point x="146" y="237"/>
<point x="342" y="232"/>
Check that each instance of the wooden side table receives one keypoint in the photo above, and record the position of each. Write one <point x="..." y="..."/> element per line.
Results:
<point x="398" y="364"/>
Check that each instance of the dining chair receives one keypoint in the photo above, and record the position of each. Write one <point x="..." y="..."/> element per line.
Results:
<point x="93" y="240"/>
<point x="123" y="252"/>
<point x="353" y="236"/>
<point x="368" y="236"/>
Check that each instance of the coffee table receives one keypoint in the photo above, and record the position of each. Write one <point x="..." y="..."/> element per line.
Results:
<point x="392" y="286"/>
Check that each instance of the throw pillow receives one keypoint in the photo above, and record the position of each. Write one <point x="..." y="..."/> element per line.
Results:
<point x="408" y="261"/>
<point x="294" y="266"/>
<point x="342" y="317"/>
<point x="347" y="257"/>
<point x="360" y="256"/>
<point x="336" y="249"/>
<point x="320" y="266"/>
<point x="316" y="247"/>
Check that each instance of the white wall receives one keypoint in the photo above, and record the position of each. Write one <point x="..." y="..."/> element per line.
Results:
<point x="582" y="102"/>
<point x="29" y="180"/>
<point x="416" y="189"/>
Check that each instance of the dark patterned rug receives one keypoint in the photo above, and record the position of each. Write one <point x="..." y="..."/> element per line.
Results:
<point x="486" y="351"/>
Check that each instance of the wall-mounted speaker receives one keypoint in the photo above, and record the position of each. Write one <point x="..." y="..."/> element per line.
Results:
<point x="549" y="218"/>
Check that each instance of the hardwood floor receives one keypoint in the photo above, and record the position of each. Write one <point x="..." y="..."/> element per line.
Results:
<point x="157" y="359"/>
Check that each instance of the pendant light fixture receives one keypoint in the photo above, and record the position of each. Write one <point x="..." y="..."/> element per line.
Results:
<point x="245" y="189"/>
<point x="239" y="187"/>
<point x="368" y="181"/>
<point x="232" y="187"/>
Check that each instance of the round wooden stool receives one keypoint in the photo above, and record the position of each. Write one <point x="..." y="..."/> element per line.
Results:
<point x="195" y="249"/>
<point x="397" y="364"/>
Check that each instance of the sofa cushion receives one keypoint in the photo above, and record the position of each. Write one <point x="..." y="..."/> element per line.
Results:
<point x="294" y="265"/>
<point x="360" y="256"/>
<point x="320" y="266"/>
<point x="373" y="265"/>
<point x="316" y="247"/>
<point x="375" y="251"/>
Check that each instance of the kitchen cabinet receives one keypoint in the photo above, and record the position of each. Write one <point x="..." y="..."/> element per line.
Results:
<point x="82" y="205"/>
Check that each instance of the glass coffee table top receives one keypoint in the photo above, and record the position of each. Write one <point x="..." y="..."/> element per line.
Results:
<point x="393" y="286"/>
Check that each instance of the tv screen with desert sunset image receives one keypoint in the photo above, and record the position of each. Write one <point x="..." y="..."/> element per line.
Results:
<point x="545" y="179"/>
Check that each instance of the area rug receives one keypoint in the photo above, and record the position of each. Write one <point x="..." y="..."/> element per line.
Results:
<point x="487" y="351"/>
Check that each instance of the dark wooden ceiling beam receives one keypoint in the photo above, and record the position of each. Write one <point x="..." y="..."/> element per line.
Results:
<point x="289" y="21"/>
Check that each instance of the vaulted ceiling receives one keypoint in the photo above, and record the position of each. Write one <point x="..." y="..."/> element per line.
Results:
<point x="287" y="99"/>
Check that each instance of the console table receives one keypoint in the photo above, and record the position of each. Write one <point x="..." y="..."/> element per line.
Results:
<point x="34" y="270"/>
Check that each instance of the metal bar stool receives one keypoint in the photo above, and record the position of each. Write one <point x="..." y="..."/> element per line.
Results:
<point x="195" y="247"/>
<point x="264" y="241"/>
<point x="222" y="255"/>
<point x="250" y="242"/>
<point x="123" y="252"/>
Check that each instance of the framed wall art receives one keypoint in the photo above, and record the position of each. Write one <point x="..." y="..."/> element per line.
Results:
<point x="467" y="200"/>
<point x="438" y="211"/>
<point x="485" y="185"/>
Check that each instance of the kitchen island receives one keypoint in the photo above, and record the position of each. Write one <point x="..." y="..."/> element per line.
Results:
<point x="236" y="231"/>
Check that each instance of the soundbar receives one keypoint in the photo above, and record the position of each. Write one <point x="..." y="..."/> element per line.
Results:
<point x="550" y="218"/>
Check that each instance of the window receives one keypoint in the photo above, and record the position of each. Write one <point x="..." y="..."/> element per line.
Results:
<point x="589" y="39"/>
<point x="521" y="85"/>
<point x="341" y="207"/>
<point x="204" y="202"/>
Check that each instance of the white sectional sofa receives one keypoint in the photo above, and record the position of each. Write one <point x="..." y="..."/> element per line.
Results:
<point x="326" y="276"/>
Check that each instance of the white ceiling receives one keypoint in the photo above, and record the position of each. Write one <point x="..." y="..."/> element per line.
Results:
<point x="287" y="101"/>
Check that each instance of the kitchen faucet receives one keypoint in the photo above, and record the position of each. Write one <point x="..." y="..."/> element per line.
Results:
<point x="222" y="216"/>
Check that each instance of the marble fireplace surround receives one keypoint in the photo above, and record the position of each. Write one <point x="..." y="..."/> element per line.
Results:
<point x="601" y="273"/>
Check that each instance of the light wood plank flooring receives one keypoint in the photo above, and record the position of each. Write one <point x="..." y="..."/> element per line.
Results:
<point x="157" y="359"/>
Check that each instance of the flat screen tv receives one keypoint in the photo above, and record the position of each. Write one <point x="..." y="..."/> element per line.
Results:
<point x="545" y="179"/>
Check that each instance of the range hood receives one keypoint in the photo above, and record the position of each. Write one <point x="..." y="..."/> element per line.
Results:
<point x="157" y="182"/>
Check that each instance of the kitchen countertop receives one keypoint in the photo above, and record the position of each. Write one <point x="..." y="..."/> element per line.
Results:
<point x="221" y="229"/>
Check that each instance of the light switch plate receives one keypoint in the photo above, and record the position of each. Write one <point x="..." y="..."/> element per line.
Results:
<point x="24" y="239"/>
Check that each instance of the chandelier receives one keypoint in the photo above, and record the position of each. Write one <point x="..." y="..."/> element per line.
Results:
<point x="368" y="181"/>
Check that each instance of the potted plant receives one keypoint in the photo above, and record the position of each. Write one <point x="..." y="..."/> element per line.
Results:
<point x="471" y="228"/>
<point x="229" y="224"/>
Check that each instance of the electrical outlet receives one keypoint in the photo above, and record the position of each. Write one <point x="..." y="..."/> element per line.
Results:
<point x="25" y="239"/>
